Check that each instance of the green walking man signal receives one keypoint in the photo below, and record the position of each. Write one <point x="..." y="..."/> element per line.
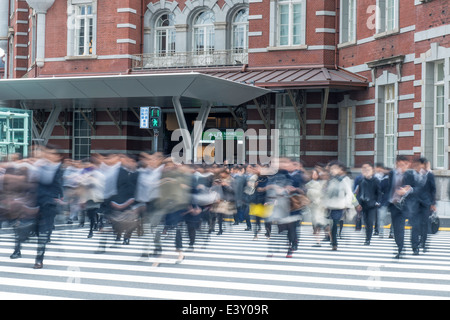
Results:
<point x="155" y="117"/>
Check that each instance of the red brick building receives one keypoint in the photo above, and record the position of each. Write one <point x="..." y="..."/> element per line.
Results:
<point x="357" y="80"/>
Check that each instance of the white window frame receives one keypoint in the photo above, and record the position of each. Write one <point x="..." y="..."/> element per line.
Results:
<point x="239" y="29"/>
<point x="80" y="133"/>
<point x="348" y="22"/>
<point x="387" y="11"/>
<point x="275" y="27"/>
<point x="83" y="37"/>
<point x="207" y="33"/>
<point x="73" y="23"/>
<point x="439" y="117"/>
<point x="169" y="33"/>
<point x="289" y="134"/>
<point x="390" y="116"/>
<point x="291" y="6"/>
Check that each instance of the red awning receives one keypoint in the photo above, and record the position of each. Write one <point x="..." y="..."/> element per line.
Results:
<point x="293" y="77"/>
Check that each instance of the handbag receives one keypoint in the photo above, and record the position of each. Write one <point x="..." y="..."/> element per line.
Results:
<point x="298" y="201"/>
<point x="260" y="210"/>
<point x="224" y="207"/>
<point x="434" y="223"/>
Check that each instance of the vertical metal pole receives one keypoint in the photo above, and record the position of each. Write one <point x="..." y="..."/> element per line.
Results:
<point x="155" y="140"/>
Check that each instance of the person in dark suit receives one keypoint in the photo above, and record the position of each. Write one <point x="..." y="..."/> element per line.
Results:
<point x="369" y="197"/>
<point x="426" y="202"/>
<point x="402" y="199"/>
<point x="49" y="195"/>
<point x="124" y="200"/>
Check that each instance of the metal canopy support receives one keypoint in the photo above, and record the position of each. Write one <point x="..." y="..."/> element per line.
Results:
<point x="238" y="121"/>
<point x="261" y="114"/>
<point x="204" y="113"/>
<point x="117" y="123"/>
<point x="182" y="124"/>
<point x="298" y="110"/>
<point x="324" y="110"/>
<point x="50" y="124"/>
<point x="34" y="130"/>
<point x="89" y="122"/>
<point x="192" y="140"/>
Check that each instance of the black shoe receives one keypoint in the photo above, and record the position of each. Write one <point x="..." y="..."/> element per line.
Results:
<point x="126" y="241"/>
<point x="16" y="255"/>
<point x="398" y="255"/>
<point x="38" y="265"/>
<point x="415" y="251"/>
<point x="367" y="243"/>
<point x="90" y="235"/>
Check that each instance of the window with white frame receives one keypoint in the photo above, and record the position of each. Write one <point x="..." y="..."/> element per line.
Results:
<point x="439" y="116"/>
<point x="165" y="35"/>
<point x="240" y="31"/>
<point x="84" y="29"/>
<point x="289" y="128"/>
<point x="389" y="125"/>
<point x="348" y="21"/>
<point x="204" y="35"/>
<point x="81" y="134"/>
<point x="388" y="15"/>
<point x="291" y="15"/>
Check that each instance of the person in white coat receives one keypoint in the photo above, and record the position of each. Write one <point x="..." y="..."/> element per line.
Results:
<point x="314" y="192"/>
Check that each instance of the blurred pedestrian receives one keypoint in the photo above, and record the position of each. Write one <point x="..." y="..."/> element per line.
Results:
<point x="401" y="199"/>
<point x="315" y="190"/>
<point x="338" y="197"/>
<point x="426" y="203"/>
<point x="50" y="195"/>
<point x="92" y="189"/>
<point x="226" y="205"/>
<point x="369" y="197"/>
<point x="381" y="173"/>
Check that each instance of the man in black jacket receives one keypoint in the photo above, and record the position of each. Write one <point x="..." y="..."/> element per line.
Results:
<point x="402" y="199"/>
<point x="426" y="202"/>
<point x="369" y="197"/>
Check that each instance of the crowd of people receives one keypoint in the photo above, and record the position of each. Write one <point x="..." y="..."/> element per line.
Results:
<point x="151" y="193"/>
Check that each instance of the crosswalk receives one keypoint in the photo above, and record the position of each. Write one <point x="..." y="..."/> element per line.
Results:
<point x="232" y="266"/>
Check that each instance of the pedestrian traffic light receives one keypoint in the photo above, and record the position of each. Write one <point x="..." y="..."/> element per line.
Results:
<point x="155" y="117"/>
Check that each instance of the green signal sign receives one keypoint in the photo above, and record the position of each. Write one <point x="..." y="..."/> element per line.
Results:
<point x="155" y="117"/>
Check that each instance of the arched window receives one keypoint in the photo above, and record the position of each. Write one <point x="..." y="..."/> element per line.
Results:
<point x="203" y="30"/>
<point x="240" y="31"/>
<point x="165" y="35"/>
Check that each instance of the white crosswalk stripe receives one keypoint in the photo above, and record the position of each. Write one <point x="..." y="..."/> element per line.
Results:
<point x="230" y="266"/>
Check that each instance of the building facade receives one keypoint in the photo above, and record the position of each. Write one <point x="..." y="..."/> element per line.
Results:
<point x="355" y="80"/>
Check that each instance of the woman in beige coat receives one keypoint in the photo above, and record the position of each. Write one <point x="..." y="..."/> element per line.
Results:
<point x="314" y="191"/>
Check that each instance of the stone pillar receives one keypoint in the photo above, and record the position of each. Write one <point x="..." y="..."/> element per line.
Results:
<point x="41" y="7"/>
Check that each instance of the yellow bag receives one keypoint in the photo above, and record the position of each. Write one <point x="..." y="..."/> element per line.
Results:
<point x="260" y="210"/>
